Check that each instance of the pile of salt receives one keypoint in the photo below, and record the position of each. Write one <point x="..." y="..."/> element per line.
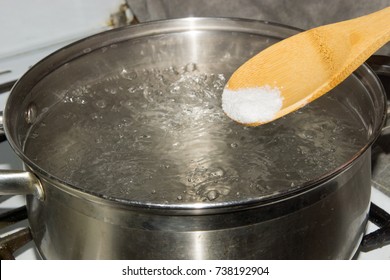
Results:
<point x="252" y="105"/>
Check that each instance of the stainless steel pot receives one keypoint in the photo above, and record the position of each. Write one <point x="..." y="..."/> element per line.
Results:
<point x="322" y="217"/>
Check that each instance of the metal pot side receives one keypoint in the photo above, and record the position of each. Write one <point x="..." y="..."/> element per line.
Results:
<point x="325" y="222"/>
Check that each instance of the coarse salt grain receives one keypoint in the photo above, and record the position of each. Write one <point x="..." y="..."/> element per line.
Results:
<point x="252" y="105"/>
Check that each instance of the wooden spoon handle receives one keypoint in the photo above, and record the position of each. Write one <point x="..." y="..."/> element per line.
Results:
<point x="328" y="53"/>
<point x="373" y="27"/>
<point x="311" y="63"/>
<point x="344" y="46"/>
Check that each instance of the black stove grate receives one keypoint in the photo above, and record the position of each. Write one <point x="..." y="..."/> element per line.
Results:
<point x="381" y="236"/>
<point x="14" y="241"/>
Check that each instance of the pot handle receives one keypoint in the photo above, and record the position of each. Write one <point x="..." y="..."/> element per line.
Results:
<point x="2" y="133"/>
<point x="14" y="182"/>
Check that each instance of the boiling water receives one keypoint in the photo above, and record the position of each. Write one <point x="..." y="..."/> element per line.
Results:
<point x="160" y="136"/>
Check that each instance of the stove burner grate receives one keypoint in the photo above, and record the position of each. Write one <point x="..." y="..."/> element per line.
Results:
<point x="12" y="242"/>
<point x="381" y="236"/>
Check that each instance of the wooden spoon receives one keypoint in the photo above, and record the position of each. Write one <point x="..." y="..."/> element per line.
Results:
<point x="302" y="68"/>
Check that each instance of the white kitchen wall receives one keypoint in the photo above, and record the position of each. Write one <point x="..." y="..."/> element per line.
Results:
<point x="27" y="25"/>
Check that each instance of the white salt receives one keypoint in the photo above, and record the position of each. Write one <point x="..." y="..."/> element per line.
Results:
<point x="252" y="105"/>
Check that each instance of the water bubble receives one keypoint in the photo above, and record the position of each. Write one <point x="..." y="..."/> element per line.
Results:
<point x="212" y="195"/>
<point x="190" y="67"/>
<point x="221" y="77"/>
<point x="224" y="190"/>
<point x="234" y="145"/>
<point x="95" y="116"/>
<point x="101" y="103"/>
<point x="126" y="103"/>
<point x="147" y="94"/>
<point x="172" y="70"/>
<point x="68" y="99"/>
<point x="126" y="122"/>
<point x="132" y="89"/>
<point x="129" y="75"/>
<point x="217" y="173"/>
<point x="80" y="100"/>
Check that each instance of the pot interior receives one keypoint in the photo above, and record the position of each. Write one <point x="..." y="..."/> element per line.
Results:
<point x="134" y="115"/>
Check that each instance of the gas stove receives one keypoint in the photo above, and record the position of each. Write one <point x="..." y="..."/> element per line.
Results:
<point x="15" y="61"/>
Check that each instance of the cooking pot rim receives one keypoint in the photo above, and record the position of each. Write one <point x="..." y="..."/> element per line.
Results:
<point x="250" y="202"/>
